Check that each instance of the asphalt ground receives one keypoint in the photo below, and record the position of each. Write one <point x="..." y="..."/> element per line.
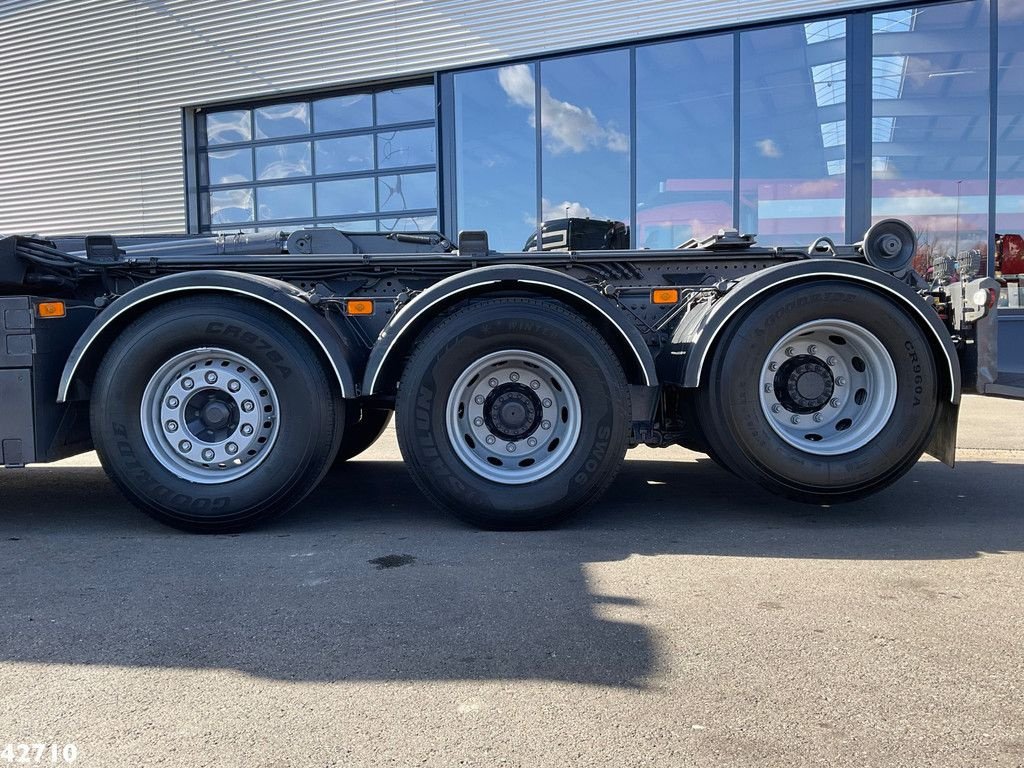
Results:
<point x="687" y="619"/>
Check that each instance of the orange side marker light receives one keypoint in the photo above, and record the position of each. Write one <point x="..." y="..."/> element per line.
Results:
<point x="51" y="309"/>
<point x="358" y="307"/>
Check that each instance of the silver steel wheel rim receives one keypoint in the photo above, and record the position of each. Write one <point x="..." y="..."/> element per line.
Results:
<point x="857" y="381"/>
<point x="210" y="416"/>
<point x="513" y="417"/>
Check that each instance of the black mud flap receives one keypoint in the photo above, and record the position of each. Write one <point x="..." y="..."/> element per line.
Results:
<point x="943" y="442"/>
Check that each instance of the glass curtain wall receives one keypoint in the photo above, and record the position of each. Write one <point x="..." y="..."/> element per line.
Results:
<point x="585" y="142"/>
<point x="929" y="129"/>
<point x="581" y="141"/>
<point x="361" y="161"/>
<point x="676" y="178"/>
<point x="496" y="167"/>
<point x="1009" y="192"/>
<point x="1008" y="263"/>
<point x="684" y="140"/>
<point x="792" y="126"/>
<point x="750" y="129"/>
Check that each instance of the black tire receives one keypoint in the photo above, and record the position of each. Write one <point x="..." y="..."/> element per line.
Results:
<point x="363" y="426"/>
<point x="741" y="436"/>
<point x="304" y="444"/>
<point x="540" y="327"/>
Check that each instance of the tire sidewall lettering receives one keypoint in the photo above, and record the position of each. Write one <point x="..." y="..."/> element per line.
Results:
<point x="917" y="386"/>
<point x="432" y="433"/>
<point x="915" y="363"/>
<point x="426" y="387"/>
<point x="134" y="468"/>
<point x="306" y="440"/>
<point x="249" y="338"/>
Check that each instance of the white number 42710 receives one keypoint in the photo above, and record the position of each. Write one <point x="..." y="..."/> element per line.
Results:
<point x="25" y="754"/>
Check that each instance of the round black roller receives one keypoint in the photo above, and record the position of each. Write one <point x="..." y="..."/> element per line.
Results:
<point x="889" y="245"/>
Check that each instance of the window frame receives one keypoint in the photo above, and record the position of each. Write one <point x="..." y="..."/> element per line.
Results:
<point x="196" y="149"/>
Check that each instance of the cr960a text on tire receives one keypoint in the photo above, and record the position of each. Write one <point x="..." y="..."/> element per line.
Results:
<point x="823" y="392"/>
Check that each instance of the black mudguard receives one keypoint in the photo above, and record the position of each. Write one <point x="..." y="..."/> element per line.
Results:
<point x="341" y="351"/>
<point x="397" y="337"/>
<point x="694" y="339"/>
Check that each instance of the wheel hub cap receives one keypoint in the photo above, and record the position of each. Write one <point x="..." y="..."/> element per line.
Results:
<point x="216" y="415"/>
<point x="803" y="384"/>
<point x="512" y="412"/>
<point x="210" y="416"/>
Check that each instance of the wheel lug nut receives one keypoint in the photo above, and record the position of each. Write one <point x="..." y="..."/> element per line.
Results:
<point x="185" y="446"/>
<point x="248" y="406"/>
<point x="187" y="383"/>
<point x="208" y="454"/>
<point x="545" y="424"/>
<point x="834" y="402"/>
<point x="492" y="382"/>
<point x="478" y="421"/>
<point x="546" y="402"/>
<point x="231" y="448"/>
<point x="811" y="349"/>
<point x="531" y="442"/>
<point x="773" y="366"/>
<point x="490" y="439"/>
<point x="534" y="384"/>
<point x="818" y="418"/>
<point x="172" y="426"/>
<point x="795" y="419"/>
<point x="513" y="376"/>
<point x="173" y="402"/>
<point x="831" y="360"/>
<point x="840" y="382"/>
<point x="510" y="447"/>
<point x="234" y="386"/>
<point x="479" y="399"/>
<point x="776" y="408"/>
<point x="211" y="377"/>
<point x="790" y="351"/>
<point x="768" y="388"/>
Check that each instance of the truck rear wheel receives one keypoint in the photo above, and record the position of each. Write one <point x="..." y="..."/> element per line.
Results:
<point x="363" y="427"/>
<point x="212" y="415"/>
<point x="824" y="392"/>
<point x="513" y="413"/>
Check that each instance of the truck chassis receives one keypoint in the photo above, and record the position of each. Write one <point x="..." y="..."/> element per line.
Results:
<point x="220" y="378"/>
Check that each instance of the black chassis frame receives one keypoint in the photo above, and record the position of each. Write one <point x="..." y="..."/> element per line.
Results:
<point x="662" y="346"/>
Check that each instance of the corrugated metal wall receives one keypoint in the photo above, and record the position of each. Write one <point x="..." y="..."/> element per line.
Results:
<point x="91" y="91"/>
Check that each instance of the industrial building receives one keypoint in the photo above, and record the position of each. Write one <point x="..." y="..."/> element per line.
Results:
<point x="788" y="118"/>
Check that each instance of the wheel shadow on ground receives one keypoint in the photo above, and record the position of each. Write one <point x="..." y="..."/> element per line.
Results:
<point x="694" y="507"/>
<point x="367" y="582"/>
